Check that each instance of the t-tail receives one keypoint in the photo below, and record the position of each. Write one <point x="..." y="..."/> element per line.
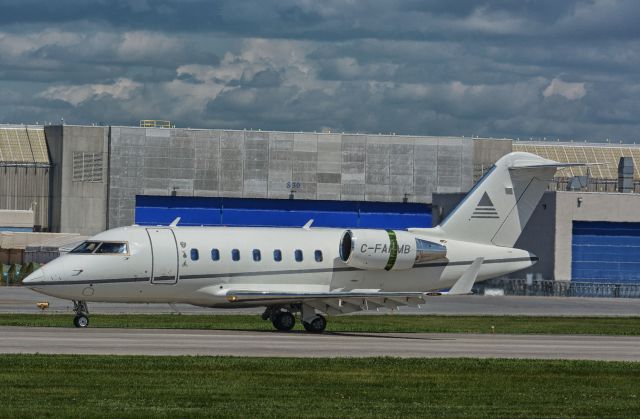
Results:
<point x="497" y="208"/>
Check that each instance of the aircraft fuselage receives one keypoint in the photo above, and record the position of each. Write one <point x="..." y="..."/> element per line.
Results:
<point x="196" y="265"/>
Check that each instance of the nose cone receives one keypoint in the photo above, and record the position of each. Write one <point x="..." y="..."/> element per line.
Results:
<point x="34" y="278"/>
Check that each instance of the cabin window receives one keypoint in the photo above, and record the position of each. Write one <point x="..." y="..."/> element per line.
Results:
<point x="318" y="255"/>
<point x="215" y="254"/>
<point x="195" y="255"/>
<point x="298" y="255"/>
<point x="86" y="247"/>
<point x="277" y="255"/>
<point x="256" y="255"/>
<point x="112" y="248"/>
<point x="235" y="255"/>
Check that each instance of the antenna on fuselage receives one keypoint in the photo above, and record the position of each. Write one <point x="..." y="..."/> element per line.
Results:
<point x="308" y="225"/>
<point x="175" y="222"/>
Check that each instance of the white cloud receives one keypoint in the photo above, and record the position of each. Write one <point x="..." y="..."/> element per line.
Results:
<point x="570" y="91"/>
<point x="121" y="89"/>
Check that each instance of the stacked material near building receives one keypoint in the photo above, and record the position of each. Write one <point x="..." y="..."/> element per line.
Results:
<point x="16" y="220"/>
<point x="23" y="252"/>
<point x="14" y="244"/>
<point x="47" y="250"/>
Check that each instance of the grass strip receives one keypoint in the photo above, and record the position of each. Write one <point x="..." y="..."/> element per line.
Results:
<point x="135" y="386"/>
<point x="373" y="324"/>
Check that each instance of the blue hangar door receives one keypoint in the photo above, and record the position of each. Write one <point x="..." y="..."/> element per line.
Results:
<point x="605" y="252"/>
<point x="196" y="211"/>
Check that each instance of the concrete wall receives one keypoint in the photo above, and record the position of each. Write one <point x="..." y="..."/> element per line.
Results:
<point x="538" y="237"/>
<point x="587" y="206"/>
<point x="267" y="164"/>
<point x="486" y="152"/>
<point x="78" y="205"/>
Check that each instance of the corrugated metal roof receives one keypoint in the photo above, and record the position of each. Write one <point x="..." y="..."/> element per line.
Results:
<point x="23" y="146"/>
<point x="608" y="156"/>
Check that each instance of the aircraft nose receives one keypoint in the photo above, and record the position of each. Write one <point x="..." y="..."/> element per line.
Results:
<point x="34" y="277"/>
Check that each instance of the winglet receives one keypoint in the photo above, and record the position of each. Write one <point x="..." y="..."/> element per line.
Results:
<point x="308" y="225"/>
<point x="175" y="222"/>
<point x="465" y="283"/>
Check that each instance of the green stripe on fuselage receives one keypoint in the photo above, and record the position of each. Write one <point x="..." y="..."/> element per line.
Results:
<point x="393" y="250"/>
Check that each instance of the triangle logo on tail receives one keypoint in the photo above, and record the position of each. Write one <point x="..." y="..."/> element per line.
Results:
<point x="485" y="208"/>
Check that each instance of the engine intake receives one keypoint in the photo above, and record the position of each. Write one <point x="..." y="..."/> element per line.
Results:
<point x="387" y="249"/>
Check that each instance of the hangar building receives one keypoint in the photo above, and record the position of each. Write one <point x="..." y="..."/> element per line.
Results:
<point x="96" y="177"/>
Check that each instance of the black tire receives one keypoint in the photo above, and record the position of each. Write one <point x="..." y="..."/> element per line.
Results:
<point x="81" y="321"/>
<point x="317" y="325"/>
<point x="283" y="321"/>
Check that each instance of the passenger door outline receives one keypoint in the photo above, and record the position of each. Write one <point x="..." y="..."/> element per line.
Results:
<point x="163" y="246"/>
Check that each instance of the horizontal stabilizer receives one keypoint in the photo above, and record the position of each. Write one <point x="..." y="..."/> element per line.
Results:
<point x="465" y="283"/>
<point x="557" y="165"/>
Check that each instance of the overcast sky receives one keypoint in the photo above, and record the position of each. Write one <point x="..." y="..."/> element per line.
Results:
<point x="519" y="69"/>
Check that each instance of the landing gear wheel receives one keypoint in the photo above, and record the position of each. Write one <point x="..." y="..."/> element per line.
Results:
<point x="317" y="325"/>
<point x="283" y="321"/>
<point x="82" y="314"/>
<point x="81" y="321"/>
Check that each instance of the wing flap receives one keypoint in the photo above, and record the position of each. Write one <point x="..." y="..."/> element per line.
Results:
<point x="336" y="302"/>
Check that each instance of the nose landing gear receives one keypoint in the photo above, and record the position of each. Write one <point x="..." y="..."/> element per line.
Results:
<point x="82" y="314"/>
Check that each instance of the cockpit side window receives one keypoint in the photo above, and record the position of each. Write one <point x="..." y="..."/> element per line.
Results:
<point x="86" y="247"/>
<point x="112" y="248"/>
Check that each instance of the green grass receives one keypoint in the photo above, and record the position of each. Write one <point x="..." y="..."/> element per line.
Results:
<point x="101" y="386"/>
<point x="381" y="323"/>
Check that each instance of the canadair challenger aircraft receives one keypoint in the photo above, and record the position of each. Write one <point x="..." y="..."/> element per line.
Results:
<point x="308" y="271"/>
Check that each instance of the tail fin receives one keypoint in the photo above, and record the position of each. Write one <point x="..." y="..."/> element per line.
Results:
<point x="497" y="208"/>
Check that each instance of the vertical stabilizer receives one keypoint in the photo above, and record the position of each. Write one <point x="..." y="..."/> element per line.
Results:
<point x="498" y="207"/>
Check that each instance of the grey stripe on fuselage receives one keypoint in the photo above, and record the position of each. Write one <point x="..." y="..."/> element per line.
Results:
<point x="266" y="273"/>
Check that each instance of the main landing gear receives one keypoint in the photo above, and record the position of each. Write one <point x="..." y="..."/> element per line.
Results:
<point x="82" y="314"/>
<point x="284" y="320"/>
<point x="316" y="325"/>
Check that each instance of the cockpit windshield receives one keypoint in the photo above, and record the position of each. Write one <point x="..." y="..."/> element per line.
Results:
<point x="86" y="247"/>
<point x="117" y="248"/>
<point x="103" y="248"/>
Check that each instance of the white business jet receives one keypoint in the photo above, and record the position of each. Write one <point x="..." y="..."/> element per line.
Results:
<point x="308" y="271"/>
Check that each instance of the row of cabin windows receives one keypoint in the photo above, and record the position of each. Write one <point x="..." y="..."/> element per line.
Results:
<point x="257" y="256"/>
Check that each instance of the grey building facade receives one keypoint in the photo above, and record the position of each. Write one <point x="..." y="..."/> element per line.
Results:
<point x="249" y="164"/>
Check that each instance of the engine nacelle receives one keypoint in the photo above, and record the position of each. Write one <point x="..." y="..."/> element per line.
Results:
<point x="387" y="249"/>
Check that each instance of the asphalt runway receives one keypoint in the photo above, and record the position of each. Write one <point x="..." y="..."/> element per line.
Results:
<point x="300" y="344"/>
<point x="23" y="300"/>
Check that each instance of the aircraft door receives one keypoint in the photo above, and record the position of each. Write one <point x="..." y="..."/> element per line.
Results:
<point x="164" y="251"/>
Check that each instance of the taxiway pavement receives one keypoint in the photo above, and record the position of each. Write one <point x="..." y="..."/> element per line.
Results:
<point x="23" y="300"/>
<point x="299" y="344"/>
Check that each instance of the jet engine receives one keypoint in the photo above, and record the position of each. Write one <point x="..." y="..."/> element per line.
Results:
<point x="387" y="249"/>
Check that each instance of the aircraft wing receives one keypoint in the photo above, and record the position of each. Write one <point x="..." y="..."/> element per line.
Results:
<point x="332" y="302"/>
<point x="342" y="302"/>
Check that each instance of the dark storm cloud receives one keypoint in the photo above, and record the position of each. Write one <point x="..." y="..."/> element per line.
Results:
<point x="337" y="19"/>
<point x="498" y="68"/>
